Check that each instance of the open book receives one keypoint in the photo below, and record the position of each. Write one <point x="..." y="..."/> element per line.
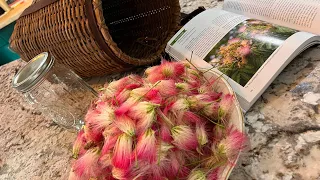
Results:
<point x="248" y="42"/>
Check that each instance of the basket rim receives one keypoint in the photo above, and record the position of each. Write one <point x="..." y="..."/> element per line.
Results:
<point x="103" y="28"/>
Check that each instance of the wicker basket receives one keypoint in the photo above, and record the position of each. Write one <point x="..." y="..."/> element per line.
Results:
<point x="97" y="37"/>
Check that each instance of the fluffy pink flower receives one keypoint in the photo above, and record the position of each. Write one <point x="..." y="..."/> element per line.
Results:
<point x="186" y="88"/>
<point x="225" y="105"/>
<point x="172" y="69"/>
<point x="214" y="95"/>
<point x="242" y="29"/>
<point x="126" y="125"/>
<point x="184" y="138"/>
<point x="109" y="143"/>
<point x="211" y="110"/>
<point x="167" y="88"/>
<point x="232" y="144"/>
<point x="146" y="147"/>
<point x="197" y="174"/>
<point x="146" y="93"/>
<point x="78" y="145"/>
<point x="165" y="133"/>
<point x="201" y="133"/>
<point x="87" y="167"/>
<point x="180" y="105"/>
<point x="105" y="161"/>
<point x="214" y="174"/>
<point x="124" y="108"/>
<point x="100" y="118"/>
<point x="167" y="70"/>
<point x="244" y="50"/>
<point x="92" y="135"/>
<point x="154" y="74"/>
<point x="191" y="117"/>
<point x="133" y="86"/>
<point x="154" y="96"/>
<point x="122" y="152"/>
<point x="177" y="168"/>
<point x="144" y="113"/>
<point x="119" y="173"/>
<point x="121" y="97"/>
<point x="234" y="40"/>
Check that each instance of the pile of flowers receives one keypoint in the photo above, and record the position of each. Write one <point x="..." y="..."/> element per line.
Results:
<point x="170" y="124"/>
<point x="235" y="51"/>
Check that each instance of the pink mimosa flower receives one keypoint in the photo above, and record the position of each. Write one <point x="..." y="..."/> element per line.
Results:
<point x="78" y="144"/>
<point x="144" y="113"/>
<point x="201" y="133"/>
<point x="191" y="117"/>
<point x="211" y="110"/>
<point x="93" y="135"/>
<point x="146" y="146"/>
<point x="197" y="174"/>
<point x="242" y="29"/>
<point x="232" y="144"/>
<point x="133" y="86"/>
<point x="152" y="70"/>
<point x="177" y="170"/>
<point x="167" y="88"/>
<point x="119" y="173"/>
<point x="149" y="94"/>
<point x="121" y="97"/>
<point x="103" y="117"/>
<point x="225" y="105"/>
<point x="154" y="96"/>
<point x="185" y="88"/>
<point x="244" y="50"/>
<point x="122" y="152"/>
<point x="154" y="74"/>
<point x="234" y="40"/>
<point x="163" y="150"/>
<point x="105" y="161"/>
<point x="177" y="163"/>
<point x="165" y="133"/>
<point x="115" y="87"/>
<point x="138" y="93"/>
<point x="87" y="166"/>
<point x="180" y="105"/>
<point x="126" y="125"/>
<point x="214" y="174"/>
<point x="109" y="143"/>
<point x="124" y="108"/>
<point x="168" y="69"/>
<point x="214" y="95"/>
<point x="218" y="134"/>
<point x="184" y="138"/>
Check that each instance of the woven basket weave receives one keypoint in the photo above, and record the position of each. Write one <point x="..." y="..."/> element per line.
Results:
<point x="97" y="37"/>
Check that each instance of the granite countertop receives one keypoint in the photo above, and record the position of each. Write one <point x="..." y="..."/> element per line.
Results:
<point x="283" y="127"/>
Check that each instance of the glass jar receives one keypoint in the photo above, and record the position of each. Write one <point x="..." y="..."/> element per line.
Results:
<point x="55" y="90"/>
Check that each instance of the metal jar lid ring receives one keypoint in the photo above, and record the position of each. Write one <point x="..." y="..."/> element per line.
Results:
<point x="33" y="72"/>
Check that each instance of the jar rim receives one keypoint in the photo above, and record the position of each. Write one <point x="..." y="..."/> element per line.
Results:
<point x="33" y="72"/>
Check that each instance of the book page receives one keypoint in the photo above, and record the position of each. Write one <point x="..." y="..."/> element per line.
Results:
<point x="303" y="15"/>
<point x="246" y="52"/>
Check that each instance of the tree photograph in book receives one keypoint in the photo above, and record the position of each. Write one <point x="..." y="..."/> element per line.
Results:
<point x="241" y="52"/>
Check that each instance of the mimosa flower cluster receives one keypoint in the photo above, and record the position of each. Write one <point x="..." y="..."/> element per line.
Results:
<point x="169" y="124"/>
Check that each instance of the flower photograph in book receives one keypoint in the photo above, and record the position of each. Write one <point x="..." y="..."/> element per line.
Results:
<point x="246" y="47"/>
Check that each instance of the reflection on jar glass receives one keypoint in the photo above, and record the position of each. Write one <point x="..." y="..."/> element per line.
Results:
<point x="55" y="90"/>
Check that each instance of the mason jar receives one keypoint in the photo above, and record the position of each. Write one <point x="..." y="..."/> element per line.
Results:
<point x="55" y="90"/>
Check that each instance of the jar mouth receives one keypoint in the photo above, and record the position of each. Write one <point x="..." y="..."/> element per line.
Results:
<point x="32" y="73"/>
